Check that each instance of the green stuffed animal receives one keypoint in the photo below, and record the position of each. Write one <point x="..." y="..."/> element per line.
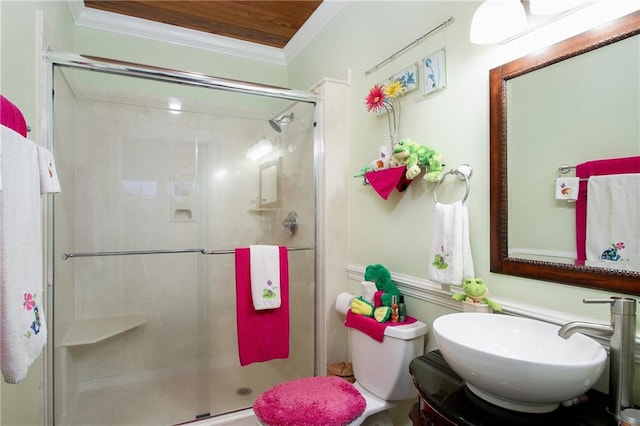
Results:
<point x="475" y="291"/>
<point x="413" y="155"/>
<point x="362" y="307"/>
<point x="382" y="277"/>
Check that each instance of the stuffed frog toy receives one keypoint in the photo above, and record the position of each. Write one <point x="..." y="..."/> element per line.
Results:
<point x="475" y="291"/>
<point x="412" y="155"/>
<point x="381" y="308"/>
<point x="382" y="277"/>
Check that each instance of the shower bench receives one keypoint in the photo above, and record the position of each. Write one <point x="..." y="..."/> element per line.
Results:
<point x="94" y="330"/>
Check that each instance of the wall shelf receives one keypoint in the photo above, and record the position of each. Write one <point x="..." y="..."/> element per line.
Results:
<point x="94" y="330"/>
<point x="264" y="209"/>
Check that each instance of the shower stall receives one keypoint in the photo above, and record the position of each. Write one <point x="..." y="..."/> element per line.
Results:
<point x="163" y="175"/>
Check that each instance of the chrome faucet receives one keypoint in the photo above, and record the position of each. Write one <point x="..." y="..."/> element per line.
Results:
<point x="621" y="348"/>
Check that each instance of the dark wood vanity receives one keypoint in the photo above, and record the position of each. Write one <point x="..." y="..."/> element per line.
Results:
<point x="444" y="400"/>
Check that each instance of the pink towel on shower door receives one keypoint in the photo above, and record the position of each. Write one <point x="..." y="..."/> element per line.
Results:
<point x="262" y="335"/>
<point x="610" y="166"/>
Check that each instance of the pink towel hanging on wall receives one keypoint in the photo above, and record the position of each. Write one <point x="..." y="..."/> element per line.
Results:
<point x="610" y="166"/>
<point x="263" y="335"/>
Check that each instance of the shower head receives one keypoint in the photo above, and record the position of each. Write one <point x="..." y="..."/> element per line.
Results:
<point x="277" y="123"/>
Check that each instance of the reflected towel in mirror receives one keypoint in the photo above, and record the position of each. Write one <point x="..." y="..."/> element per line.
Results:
<point x="608" y="166"/>
<point x="567" y="188"/>
<point x="613" y="222"/>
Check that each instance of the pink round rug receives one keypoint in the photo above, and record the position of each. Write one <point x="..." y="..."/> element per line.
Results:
<point x="311" y="401"/>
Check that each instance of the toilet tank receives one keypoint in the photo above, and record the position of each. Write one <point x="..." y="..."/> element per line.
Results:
<point x="382" y="368"/>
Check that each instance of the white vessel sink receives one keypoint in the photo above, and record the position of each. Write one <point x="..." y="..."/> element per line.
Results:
<point x="518" y="363"/>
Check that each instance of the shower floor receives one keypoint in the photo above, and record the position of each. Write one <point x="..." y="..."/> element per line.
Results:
<point x="172" y="400"/>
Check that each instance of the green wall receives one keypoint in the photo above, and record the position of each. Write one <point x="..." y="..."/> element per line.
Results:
<point x="454" y="121"/>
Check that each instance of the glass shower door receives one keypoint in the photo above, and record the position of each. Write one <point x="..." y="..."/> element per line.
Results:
<point x="154" y="198"/>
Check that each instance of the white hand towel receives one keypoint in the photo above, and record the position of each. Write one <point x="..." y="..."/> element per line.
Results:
<point x="265" y="276"/>
<point x="48" y="175"/>
<point x="450" y="261"/>
<point x="23" y="332"/>
<point x="613" y="221"/>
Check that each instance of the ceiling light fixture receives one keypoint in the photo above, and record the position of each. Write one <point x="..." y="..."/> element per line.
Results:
<point x="553" y="7"/>
<point x="175" y="106"/>
<point x="260" y="148"/>
<point x="497" y="20"/>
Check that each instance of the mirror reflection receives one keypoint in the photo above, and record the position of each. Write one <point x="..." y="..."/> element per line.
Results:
<point x="583" y="109"/>
<point x="269" y="173"/>
<point x="575" y="103"/>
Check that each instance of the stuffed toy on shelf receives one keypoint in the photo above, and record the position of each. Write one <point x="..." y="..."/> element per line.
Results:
<point x="476" y="291"/>
<point x="380" y="163"/>
<point x="413" y="155"/>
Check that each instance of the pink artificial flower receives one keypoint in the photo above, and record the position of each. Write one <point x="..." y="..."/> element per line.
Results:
<point x="29" y="303"/>
<point x="376" y="98"/>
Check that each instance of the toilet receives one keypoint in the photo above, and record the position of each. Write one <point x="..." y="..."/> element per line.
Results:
<point x="382" y="376"/>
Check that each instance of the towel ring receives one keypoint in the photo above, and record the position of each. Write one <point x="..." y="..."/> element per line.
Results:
<point x="464" y="172"/>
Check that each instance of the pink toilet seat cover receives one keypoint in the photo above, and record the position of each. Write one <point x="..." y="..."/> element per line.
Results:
<point x="311" y="401"/>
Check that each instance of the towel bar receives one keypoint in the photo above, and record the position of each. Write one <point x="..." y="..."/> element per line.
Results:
<point x="66" y="256"/>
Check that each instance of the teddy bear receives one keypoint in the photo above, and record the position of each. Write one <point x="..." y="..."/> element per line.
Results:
<point x="387" y="289"/>
<point x="412" y="155"/>
<point x="475" y="291"/>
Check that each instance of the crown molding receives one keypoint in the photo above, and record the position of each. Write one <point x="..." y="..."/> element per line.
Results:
<point x="131" y="26"/>
<point x="321" y="17"/>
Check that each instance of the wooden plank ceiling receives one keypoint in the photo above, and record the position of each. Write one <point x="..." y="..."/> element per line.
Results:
<point x="266" y="22"/>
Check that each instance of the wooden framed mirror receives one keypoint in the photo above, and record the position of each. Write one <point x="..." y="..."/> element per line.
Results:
<point x="503" y="260"/>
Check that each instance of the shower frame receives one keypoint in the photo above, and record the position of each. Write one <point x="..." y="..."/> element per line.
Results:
<point x="112" y="66"/>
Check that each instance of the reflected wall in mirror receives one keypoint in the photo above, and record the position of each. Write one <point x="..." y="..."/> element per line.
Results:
<point x="269" y="183"/>
<point x="576" y="101"/>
